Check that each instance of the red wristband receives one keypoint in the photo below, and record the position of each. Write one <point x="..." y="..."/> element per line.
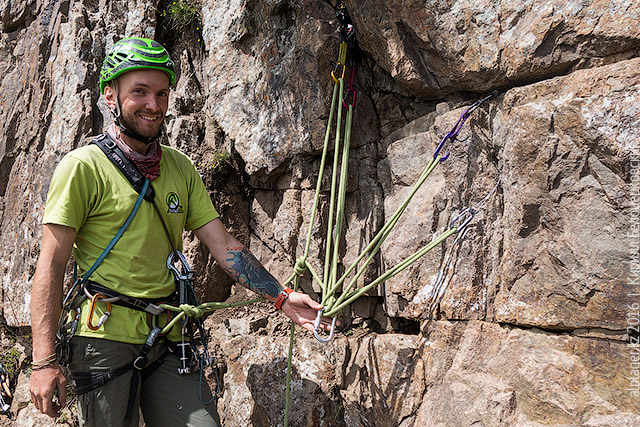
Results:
<point x="282" y="296"/>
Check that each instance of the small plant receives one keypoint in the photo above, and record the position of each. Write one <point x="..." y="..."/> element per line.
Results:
<point x="180" y="15"/>
<point x="10" y="360"/>
<point x="217" y="163"/>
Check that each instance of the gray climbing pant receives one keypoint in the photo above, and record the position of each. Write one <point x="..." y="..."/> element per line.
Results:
<point x="165" y="398"/>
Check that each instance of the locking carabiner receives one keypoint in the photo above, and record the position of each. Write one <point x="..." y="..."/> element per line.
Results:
<point x="96" y="297"/>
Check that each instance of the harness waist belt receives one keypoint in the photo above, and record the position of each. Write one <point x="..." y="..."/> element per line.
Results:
<point x="148" y="305"/>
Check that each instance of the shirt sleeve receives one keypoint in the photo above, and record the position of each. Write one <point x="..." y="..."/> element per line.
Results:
<point x="72" y="193"/>
<point x="201" y="209"/>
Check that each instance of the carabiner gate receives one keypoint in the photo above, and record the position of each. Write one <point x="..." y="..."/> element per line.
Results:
<point x="96" y="297"/>
<point x="316" y="326"/>
<point x="185" y="272"/>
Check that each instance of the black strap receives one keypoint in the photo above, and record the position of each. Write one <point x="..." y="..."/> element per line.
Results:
<point x="84" y="382"/>
<point x="133" y="175"/>
<point x="148" y="305"/>
<point x="128" y="169"/>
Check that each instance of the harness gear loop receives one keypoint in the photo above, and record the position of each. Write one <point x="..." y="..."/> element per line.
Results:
<point x="92" y="307"/>
<point x="103" y="297"/>
<point x="316" y="327"/>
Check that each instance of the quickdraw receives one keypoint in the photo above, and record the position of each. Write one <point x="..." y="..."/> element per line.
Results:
<point x="331" y="283"/>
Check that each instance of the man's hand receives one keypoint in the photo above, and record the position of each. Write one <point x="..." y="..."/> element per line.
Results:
<point x="46" y="302"/>
<point x="303" y="310"/>
<point x="245" y="269"/>
<point x="42" y="385"/>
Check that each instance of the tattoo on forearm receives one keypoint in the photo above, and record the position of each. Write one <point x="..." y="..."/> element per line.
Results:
<point x="245" y="269"/>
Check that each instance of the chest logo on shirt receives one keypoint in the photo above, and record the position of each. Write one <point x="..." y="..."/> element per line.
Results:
<point x="173" y="203"/>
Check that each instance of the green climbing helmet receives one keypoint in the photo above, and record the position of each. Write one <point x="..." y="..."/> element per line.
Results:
<point x="133" y="53"/>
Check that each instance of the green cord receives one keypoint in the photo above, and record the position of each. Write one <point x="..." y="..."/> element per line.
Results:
<point x="200" y="310"/>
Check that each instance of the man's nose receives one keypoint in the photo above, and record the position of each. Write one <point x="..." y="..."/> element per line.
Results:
<point x="153" y="102"/>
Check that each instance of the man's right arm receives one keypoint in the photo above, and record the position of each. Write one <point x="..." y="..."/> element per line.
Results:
<point x="46" y="302"/>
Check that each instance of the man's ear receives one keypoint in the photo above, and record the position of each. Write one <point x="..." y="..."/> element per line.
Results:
<point x="110" y="97"/>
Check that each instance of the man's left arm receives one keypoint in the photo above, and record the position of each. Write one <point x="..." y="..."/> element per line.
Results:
<point x="245" y="269"/>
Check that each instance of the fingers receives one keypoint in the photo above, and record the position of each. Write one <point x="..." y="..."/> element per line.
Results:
<point x="303" y="300"/>
<point x="62" y="392"/>
<point x="311" y="303"/>
<point x="42" y="385"/>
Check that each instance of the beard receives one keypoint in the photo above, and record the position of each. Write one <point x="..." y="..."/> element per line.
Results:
<point x="132" y="122"/>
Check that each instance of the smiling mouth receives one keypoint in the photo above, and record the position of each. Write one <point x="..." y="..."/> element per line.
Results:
<point x="149" y="118"/>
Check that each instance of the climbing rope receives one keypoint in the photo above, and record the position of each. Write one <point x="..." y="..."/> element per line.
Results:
<point x="331" y="284"/>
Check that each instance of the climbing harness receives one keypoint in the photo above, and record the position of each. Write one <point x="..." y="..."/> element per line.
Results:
<point x="192" y="350"/>
<point x="75" y="296"/>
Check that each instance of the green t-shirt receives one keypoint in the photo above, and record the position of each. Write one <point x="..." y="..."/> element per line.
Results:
<point x="87" y="192"/>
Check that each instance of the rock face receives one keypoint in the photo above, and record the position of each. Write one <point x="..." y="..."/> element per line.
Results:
<point x="455" y="373"/>
<point x="527" y="317"/>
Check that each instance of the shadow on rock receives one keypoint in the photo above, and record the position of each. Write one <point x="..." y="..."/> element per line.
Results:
<point x="311" y="405"/>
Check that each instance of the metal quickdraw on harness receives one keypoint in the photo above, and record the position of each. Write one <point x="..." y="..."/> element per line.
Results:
<point x="193" y="354"/>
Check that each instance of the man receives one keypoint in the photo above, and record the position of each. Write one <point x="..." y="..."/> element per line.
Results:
<point x="88" y="201"/>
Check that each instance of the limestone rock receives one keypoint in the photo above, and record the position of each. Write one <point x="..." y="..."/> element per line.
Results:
<point x="251" y="397"/>
<point x="504" y="376"/>
<point x="267" y="95"/>
<point x="438" y="47"/>
<point x="453" y="374"/>
<point x="565" y="206"/>
<point x="566" y="198"/>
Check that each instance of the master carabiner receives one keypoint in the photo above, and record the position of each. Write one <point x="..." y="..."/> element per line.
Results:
<point x="185" y="272"/>
<point x="316" y="327"/>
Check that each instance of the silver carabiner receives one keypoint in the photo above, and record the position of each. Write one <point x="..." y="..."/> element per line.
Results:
<point x="185" y="272"/>
<point x="316" y="326"/>
<point x="466" y="215"/>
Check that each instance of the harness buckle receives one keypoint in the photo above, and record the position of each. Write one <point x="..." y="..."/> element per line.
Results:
<point x="140" y="362"/>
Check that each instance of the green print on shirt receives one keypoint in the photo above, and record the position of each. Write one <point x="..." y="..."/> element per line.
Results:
<point x="173" y="203"/>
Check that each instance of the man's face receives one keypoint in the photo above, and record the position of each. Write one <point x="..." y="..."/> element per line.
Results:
<point x="144" y="99"/>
